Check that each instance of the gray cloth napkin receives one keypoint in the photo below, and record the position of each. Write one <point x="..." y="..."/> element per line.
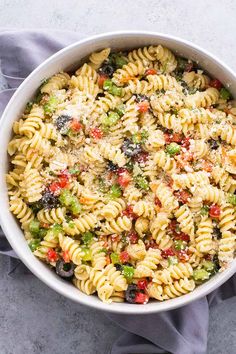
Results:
<point x="180" y="331"/>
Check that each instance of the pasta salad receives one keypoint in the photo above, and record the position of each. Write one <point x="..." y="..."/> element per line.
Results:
<point x="123" y="175"/>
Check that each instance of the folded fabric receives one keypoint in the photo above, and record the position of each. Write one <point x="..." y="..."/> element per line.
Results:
<point x="180" y="331"/>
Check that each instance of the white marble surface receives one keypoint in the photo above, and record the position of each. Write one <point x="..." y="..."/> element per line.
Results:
<point x="33" y="318"/>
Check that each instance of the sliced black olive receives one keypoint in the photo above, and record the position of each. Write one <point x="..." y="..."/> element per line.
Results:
<point x="36" y="206"/>
<point x="130" y="293"/>
<point x="112" y="167"/>
<point x="64" y="270"/>
<point x="131" y="149"/>
<point x="118" y="266"/>
<point x="62" y="121"/>
<point x="49" y="200"/>
<point x="216" y="261"/>
<point x="107" y="70"/>
<point x="217" y="233"/>
<point x="140" y="98"/>
<point x="213" y="144"/>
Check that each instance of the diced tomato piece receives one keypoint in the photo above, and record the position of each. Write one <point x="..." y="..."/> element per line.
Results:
<point x="129" y="212"/>
<point x="143" y="106"/>
<point x="63" y="181"/>
<point x="167" y="138"/>
<point x="207" y="166"/>
<point x="183" y="196"/>
<point x="157" y="202"/>
<point x="141" y="298"/>
<point x="66" y="257"/>
<point x="142" y="284"/>
<point x="52" y="255"/>
<point x="96" y="133"/>
<point x="186" y="143"/>
<point x="133" y="237"/>
<point x="101" y="79"/>
<point x="183" y="256"/>
<point x="141" y="157"/>
<point x="55" y="187"/>
<point x="65" y="173"/>
<point x="216" y="84"/>
<point x="181" y="236"/>
<point x="173" y="138"/>
<point x="167" y="253"/>
<point x="123" y="177"/>
<point x="76" y="125"/>
<point x="176" y="138"/>
<point x="214" y="211"/>
<point x="124" y="257"/>
<point x="150" y="72"/>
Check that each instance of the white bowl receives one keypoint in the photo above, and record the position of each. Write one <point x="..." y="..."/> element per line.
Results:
<point x="67" y="59"/>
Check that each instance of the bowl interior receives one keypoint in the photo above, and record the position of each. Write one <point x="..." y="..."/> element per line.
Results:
<point x="67" y="60"/>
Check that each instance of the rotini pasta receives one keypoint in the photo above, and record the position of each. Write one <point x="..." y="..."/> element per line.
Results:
<point x="122" y="175"/>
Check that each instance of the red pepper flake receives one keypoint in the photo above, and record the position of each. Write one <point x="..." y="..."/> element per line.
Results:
<point x="124" y="257"/>
<point x="123" y="177"/>
<point x="55" y="188"/>
<point x="215" y="211"/>
<point x="169" y="252"/>
<point x="142" y="284"/>
<point x="150" y="72"/>
<point x="141" y="298"/>
<point x="52" y="255"/>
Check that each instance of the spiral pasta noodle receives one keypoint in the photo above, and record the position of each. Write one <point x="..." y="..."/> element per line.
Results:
<point x="56" y="82"/>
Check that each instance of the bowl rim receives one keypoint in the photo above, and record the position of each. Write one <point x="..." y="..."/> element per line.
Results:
<point x="124" y="308"/>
